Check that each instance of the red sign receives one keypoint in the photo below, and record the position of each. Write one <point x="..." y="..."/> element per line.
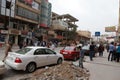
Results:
<point x="112" y="37"/>
<point x="59" y="37"/>
<point x="29" y="1"/>
<point x="43" y="25"/>
<point x="24" y="32"/>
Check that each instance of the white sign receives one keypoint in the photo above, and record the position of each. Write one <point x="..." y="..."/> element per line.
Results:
<point x="4" y="31"/>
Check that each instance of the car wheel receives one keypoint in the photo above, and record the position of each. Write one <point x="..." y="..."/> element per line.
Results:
<point x="31" y="67"/>
<point x="59" y="61"/>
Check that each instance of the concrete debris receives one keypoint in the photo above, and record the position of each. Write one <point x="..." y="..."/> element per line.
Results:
<point x="64" y="71"/>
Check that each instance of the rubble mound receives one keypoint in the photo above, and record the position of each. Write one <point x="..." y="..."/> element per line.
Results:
<point x="64" y="71"/>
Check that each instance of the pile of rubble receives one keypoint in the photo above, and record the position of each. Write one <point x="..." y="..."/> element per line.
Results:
<point x="64" y="71"/>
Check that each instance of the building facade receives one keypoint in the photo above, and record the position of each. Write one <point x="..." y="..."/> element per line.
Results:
<point x="45" y="19"/>
<point x="84" y="36"/>
<point x="23" y="19"/>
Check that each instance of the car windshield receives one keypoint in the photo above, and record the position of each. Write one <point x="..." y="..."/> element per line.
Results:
<point x="69" y="48"/>
<point x="23" y="51"/>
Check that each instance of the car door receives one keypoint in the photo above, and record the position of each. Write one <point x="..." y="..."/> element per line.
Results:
<point x="52" y="57"/>
<point x="40" y="57"/>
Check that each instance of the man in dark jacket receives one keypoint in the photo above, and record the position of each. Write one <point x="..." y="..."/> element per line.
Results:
<point x="92" y="51"/>
<point x="101" y="50"/>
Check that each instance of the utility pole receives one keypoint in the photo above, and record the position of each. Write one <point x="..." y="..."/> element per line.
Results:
<point x="118" y="27"/>
<point x="118" y="31"/>
<point x="9" y="5"/>
<point x="119" y="15"/>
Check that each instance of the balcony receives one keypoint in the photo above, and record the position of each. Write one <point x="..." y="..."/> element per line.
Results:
<point x="59" y="25"/>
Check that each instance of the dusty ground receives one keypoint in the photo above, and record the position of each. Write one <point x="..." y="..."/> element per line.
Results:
<point x="64" y="71"/>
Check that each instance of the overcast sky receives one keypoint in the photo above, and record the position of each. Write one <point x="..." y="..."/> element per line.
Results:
<point x="93" y="15"/>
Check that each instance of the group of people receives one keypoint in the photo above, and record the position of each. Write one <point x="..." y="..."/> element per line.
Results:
<point x="96" y="49"/>
<point x="43" y="43"/>
<point x="113" y="49"/>
<point x="114" y="52"/>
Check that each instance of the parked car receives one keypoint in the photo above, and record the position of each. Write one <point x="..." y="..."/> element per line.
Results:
<point x="3" y="69"/>
<point x="70" y="52"/>
<point x="30" y="58"/>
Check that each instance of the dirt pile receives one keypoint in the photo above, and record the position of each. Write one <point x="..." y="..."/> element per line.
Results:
<point x="64" y="71"/>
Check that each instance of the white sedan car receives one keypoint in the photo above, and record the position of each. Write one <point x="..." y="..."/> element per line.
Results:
<point x="30" y="58"/>
<point x="2" y="68"/>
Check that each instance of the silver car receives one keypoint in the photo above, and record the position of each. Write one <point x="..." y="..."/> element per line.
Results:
<point x="30" y="58"/>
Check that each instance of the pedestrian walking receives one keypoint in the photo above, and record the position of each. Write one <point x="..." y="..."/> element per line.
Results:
<point x="20" y="44"/>
<point x="7" y="49"/>
<point x="44" y="43"/>
<point x="101" y="50"/>
<point x="114" y="52"/>
<point x="81" y="57"/>
<point x="92" y="51"/>
<point x="118" y="53"/>
<point x="107" y="47"/>
<point x="111" y="51"/>
<point x="52" y="46"/>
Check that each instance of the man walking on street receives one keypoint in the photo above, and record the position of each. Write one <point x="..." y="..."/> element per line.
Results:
<point x="92" y="51"/>
<point x="81" y="57"/>
<point x="7" y="49"/>
<point x="111" y="51"/>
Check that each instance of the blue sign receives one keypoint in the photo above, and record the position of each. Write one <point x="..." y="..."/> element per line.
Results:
<point x="97" y="33"/>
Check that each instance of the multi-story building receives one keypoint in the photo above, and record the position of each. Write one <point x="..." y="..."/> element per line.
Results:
<point x="27" y="18"/>
<point x="7" y="12"/>
<point x="20" y="19"/>
<point x="84" y="36"/>
<point x="45" y="18"/>
<point x="64" y="26"/>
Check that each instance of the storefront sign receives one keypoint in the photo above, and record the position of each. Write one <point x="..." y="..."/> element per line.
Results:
<point x="110" y="29"/>
<point x="24" y="32"/>
<point x="14" y="31"/>
<point x="4" y="31"/>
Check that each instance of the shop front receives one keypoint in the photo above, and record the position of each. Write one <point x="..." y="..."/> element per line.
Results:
<point x="3" y="36"/>
<point x="13" y="35"/>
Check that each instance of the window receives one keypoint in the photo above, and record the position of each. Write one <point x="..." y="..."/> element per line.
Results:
<point x="48" y="51"/>
<point x="3" y="11"/>
<point x="23" y="51"/>
<point x="39" y="52"/>
<point x="8" y="4"/>
<point x="2" y="38"/>
<point x="26" y="13"/>
<point x="35" y="5"/>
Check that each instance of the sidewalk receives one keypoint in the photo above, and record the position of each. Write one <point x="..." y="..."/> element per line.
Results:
<point x="102" y="69"/>
<point x="13" y="47"/>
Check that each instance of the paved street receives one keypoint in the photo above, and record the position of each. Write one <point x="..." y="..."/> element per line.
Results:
<point x="100" y="68"/>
